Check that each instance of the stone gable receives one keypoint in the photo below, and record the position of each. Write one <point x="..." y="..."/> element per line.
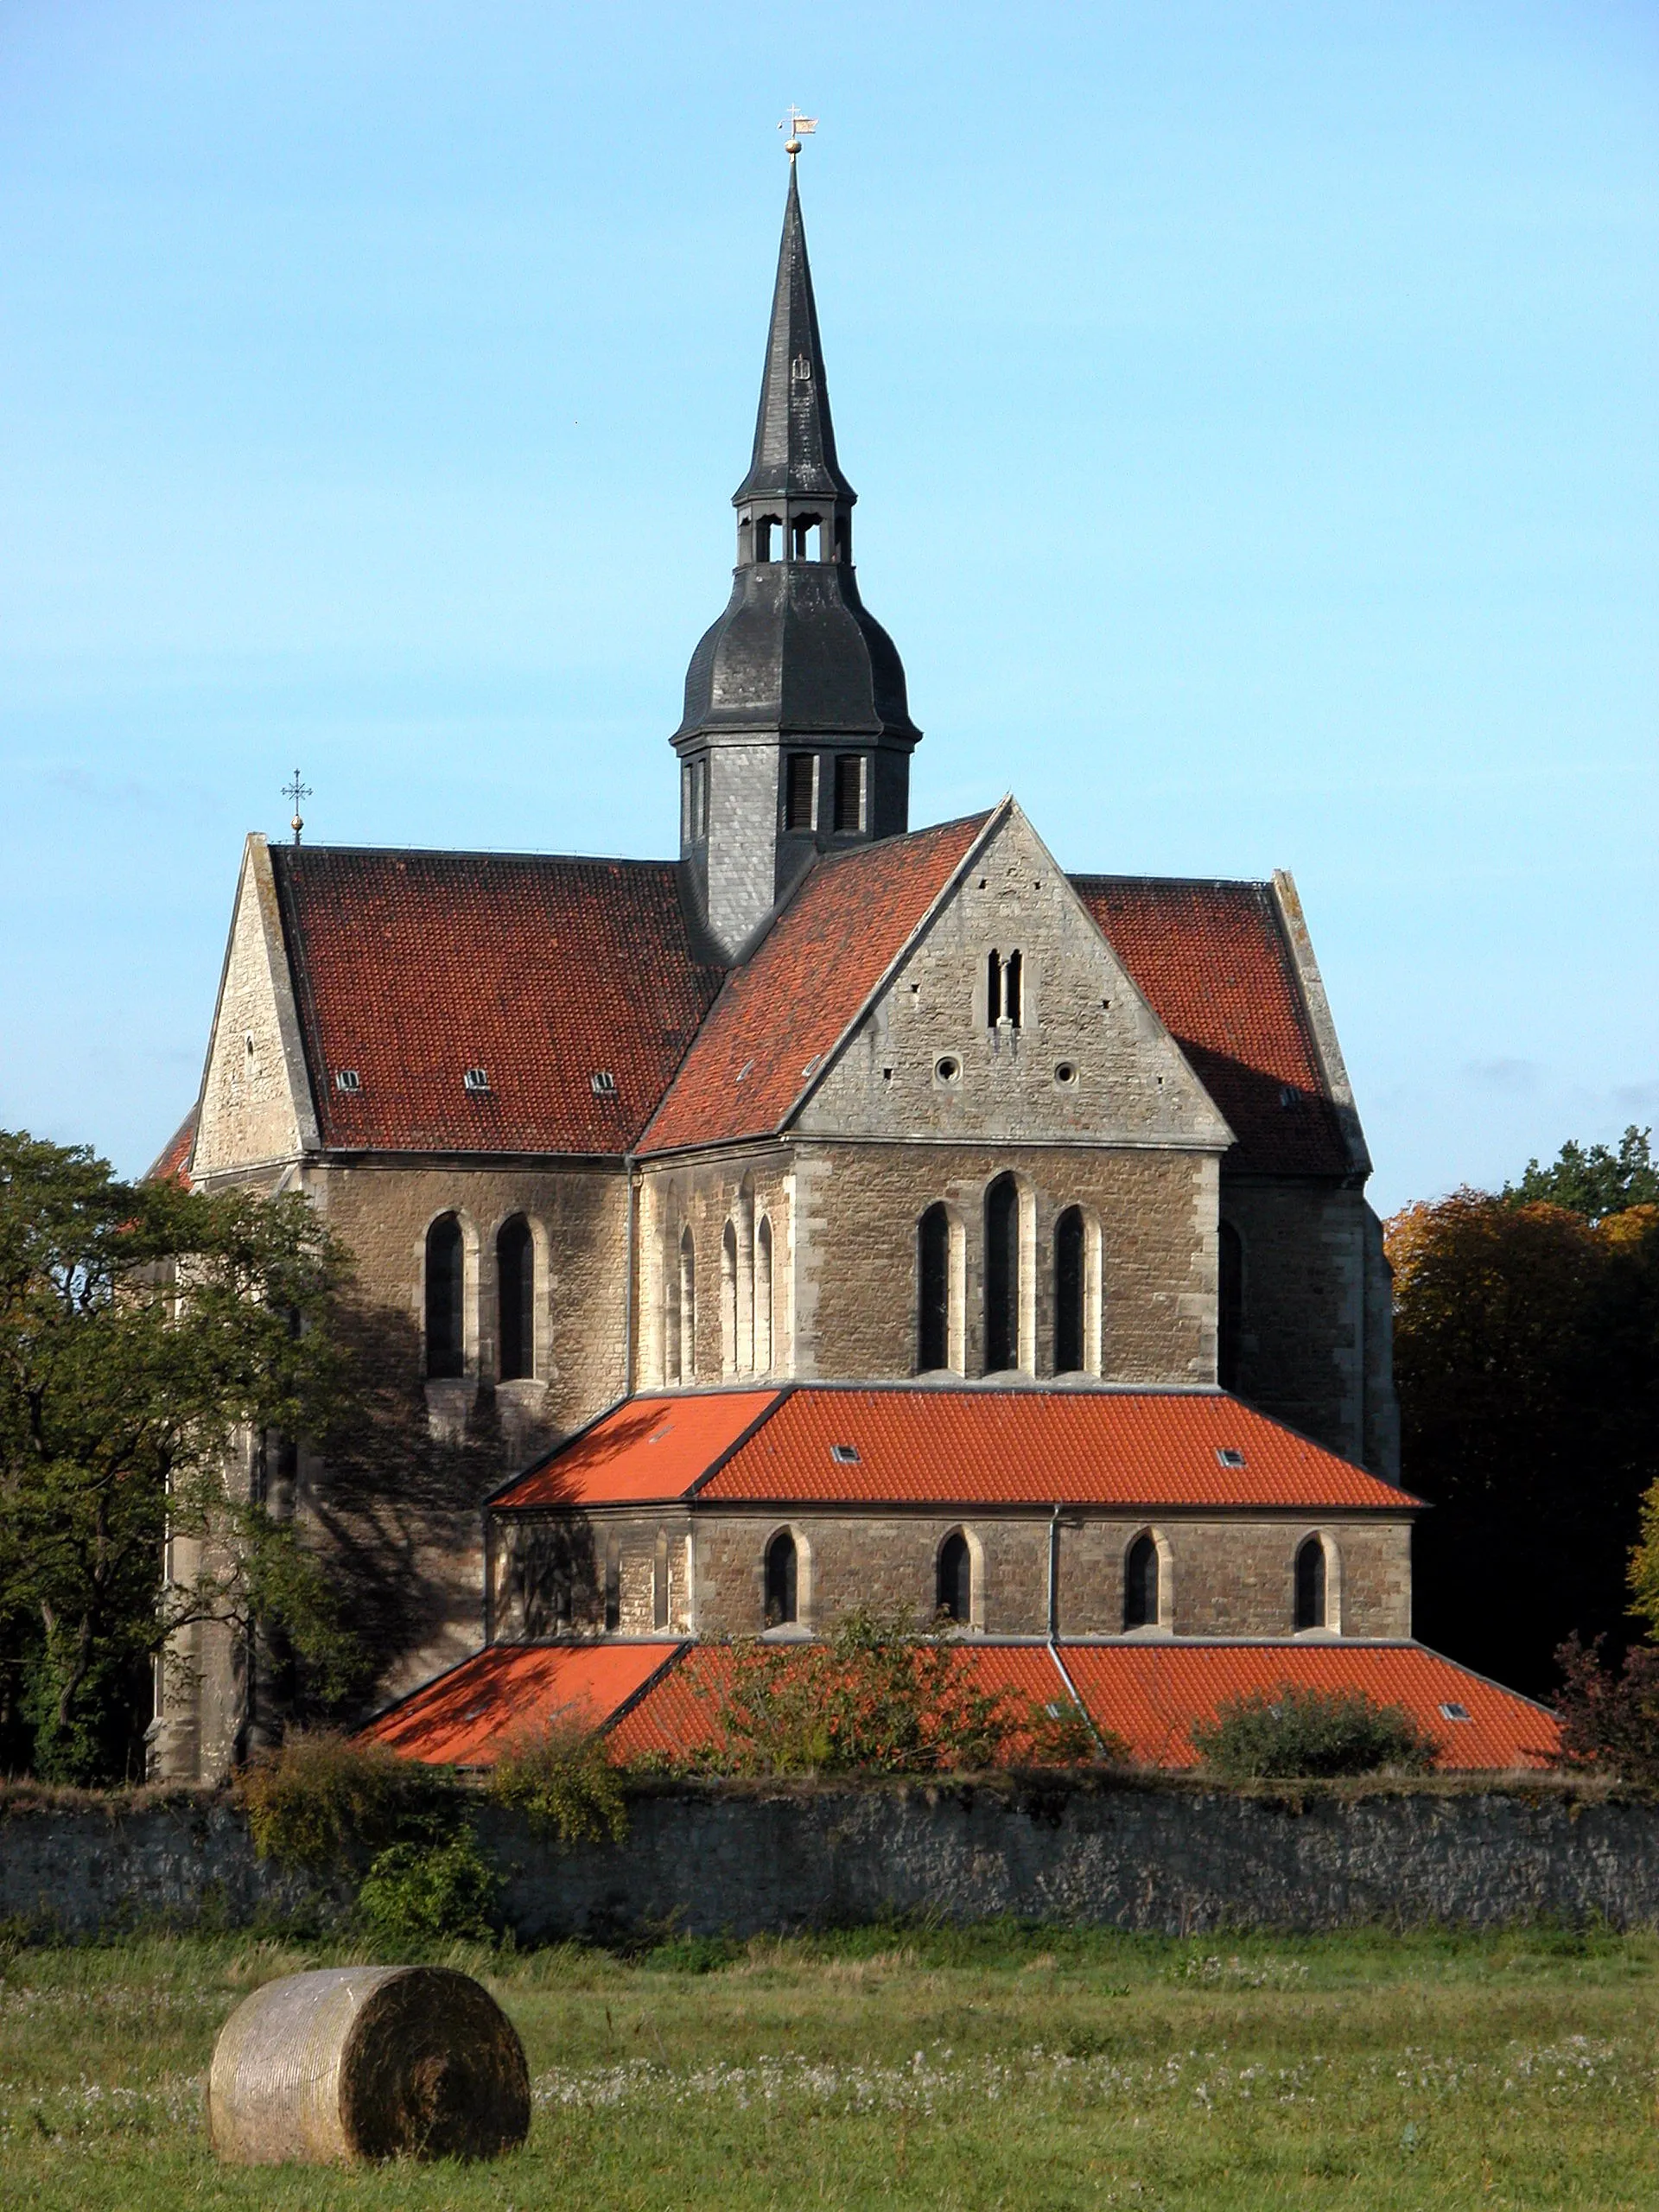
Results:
<point x="1082" y="1059"/>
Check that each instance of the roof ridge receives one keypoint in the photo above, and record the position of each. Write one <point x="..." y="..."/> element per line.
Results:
<point x="470" y="852"/>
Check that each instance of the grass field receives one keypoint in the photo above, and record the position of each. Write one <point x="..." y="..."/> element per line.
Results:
<point x="1028" y="2067"/>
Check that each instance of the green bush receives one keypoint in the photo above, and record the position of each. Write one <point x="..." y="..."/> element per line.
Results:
<point x="321" y="1799"/>
<point x="1294" y="1733"/>
<point x="416" y="1893"/>
<point x="560" y="1776"/>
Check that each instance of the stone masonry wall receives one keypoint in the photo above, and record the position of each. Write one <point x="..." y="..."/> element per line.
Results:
<point x="1181" y="1858"/>
<point x="1224" y="1578"/>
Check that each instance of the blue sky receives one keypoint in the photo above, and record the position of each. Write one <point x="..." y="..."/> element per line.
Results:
<point x="1253" y="409"/>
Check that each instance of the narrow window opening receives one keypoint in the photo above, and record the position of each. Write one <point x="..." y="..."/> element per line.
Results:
<point x="798" y="792"/>
<point x="783" y="1579"/>
<point x="446" y="1347"/>
<point x="1140" y="1584"/>
<point x="956" y="1580"/>
<point x="659" y="1590"/>
<point x="849" y="791"/>
<point x="1068" y="1247"/>
<point x="763" y="1297"/>
<point x="1011" y="990"/>
<point x="933" y="1281"/>
<point x="843" y="539"/>
<point x="764" y="526"/>
<point x="1001" y="1276"/>
<point x="1310" y="1584"/>
<point x="686" y="1343"/>
<point x="515" y="1266"/>
<point x="613" y="1587"/>
<point x="1229" y="1304"/>
<point x="728" y="1299"/>
<point x="993" y="989"/>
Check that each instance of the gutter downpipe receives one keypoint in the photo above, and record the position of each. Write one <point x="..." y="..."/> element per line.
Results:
<point x="1060" y="1667"/>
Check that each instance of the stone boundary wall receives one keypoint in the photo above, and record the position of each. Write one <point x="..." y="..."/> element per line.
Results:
<point x="707" y="1859"/>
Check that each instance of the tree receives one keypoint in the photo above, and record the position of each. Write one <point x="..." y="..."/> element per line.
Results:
<point x="1527" y="1357"/>
<point x="144" y="1330"/>
<point x="1595" y="1183"/>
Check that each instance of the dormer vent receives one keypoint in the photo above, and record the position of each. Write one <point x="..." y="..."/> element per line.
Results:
<point x="347" y="1079"/>
<point x="844" y="1455"/>
<point x="476" y="1079"/>
<point x="603" y="1083"/>
<point x="1229" y="1456"/>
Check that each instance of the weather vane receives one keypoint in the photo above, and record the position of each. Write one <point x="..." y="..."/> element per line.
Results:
<point x="799" y="126"/>
<point x="297" y="791"/>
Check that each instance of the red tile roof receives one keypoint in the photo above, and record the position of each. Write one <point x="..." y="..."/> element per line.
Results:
<point x="174" y="1164"/>
<point x="468" y="1715"/>
<point x="410" y="968"/>
<point x="647" y="1448"/>
<point x="963" y="1446"/>
<point x="662" y="1698"/>
<point x="1150" y="1695"/>
<point x="785" y="1009"/>
<point x="1214" y="963"/>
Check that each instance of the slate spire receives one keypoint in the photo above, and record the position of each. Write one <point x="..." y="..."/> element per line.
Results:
<point x="796" y="736"/>
<point x="794" y="438"/>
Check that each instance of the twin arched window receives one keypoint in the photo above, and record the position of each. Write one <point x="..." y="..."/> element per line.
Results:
<point x="445" y="1299"/>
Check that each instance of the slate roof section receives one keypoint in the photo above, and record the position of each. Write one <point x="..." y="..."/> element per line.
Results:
<point x="412" y="967"/>
<point x="1213" y="961"/>
<point x="662" y="1698"/>
<point x="783" y="1013"/>
<point x="828" y="1445"/>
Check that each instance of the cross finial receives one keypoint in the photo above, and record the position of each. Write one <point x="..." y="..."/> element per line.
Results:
<point x="297" y="791"/>
<point x="799" y="126"/>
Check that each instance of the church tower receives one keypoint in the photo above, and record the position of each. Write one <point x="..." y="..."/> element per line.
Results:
<point x="796" y="735"/>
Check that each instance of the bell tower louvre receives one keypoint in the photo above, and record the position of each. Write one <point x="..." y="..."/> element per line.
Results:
<point x="797" y="735"/>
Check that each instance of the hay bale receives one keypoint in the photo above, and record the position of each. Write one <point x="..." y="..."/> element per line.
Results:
<point x="360" y="2063"/>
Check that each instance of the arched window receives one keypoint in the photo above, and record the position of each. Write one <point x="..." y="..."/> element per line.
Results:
<point x="728" y="1300"/>
<point x="763" y="1297"/>
<point x="743" y="1335"/>
<point x="446" y="1333"/>
<point x="515" y="1277"/>
<point x="659" y="1588"/>
<point x="956" y="1578"/>
<point x="687" y="1368"/>
<point x="933" y="1290"/>
<point x="1001" y="1276"/>
<point x="1141" y="1592"/>
<point x="1070" y="1253"/>
<point x="783" y="1574"/>
<point x="1229" y="1304"/>
<point x="1310" y="1584"/>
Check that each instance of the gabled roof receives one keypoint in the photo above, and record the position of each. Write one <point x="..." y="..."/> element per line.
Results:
<point x="781" y="1013"/>
<point x="663" y="1697"/>
<point x="545" y="972"/>
<point x="1213" y="961"/>
<point x="936" y="1445"/>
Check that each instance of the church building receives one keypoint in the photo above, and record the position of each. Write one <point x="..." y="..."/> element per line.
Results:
<point x="839" y="1213"/>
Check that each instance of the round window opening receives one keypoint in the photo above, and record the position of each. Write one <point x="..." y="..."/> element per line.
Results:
<point x="949" y="1070"/>
<point x="1065" y="1073"/>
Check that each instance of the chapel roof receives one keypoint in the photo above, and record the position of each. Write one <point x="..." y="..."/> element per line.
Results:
<point x="951" y="1445"/>
<point x="545" y="972"/>
<point x="661" y="1697"/>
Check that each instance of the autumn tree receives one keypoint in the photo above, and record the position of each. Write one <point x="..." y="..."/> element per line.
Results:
<point x="145" y="1331"/>
<point x="1526" y="1357"/>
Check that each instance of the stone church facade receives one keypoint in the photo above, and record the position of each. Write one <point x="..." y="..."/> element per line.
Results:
<point x="827" y="1121"/>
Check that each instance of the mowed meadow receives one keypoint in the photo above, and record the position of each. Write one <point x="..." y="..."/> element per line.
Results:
<point x="995" y="2066"/>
